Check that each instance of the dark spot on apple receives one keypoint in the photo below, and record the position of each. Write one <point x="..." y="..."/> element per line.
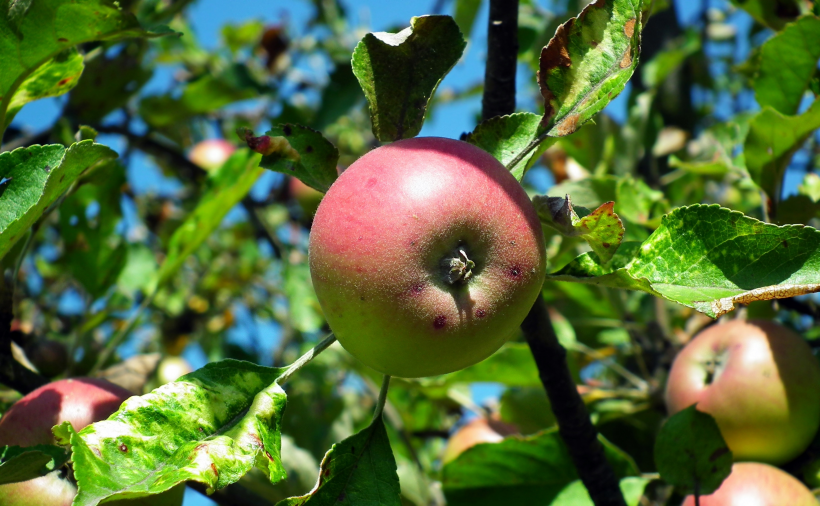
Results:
<point x="515" y="272"/>
<point x="718" y="453"/>
<point x="123" y="448"/>
<point x="309" y="149"/>
<point x="213" y="468"/>
<point x="606" y="245"/>
<point x="361" y="297"/>
<point x="287" y="129"/>
<point x="417" y="289"/>
<point x="371" y="182"/>
<point x="439" y="322"/>
<point x="480" y="313"/>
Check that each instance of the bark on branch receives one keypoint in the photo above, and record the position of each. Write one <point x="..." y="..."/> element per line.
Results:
<point x="502" y="59"/>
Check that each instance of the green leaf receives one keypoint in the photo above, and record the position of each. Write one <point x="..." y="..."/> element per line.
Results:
<point x="710" y="258"/>
<point x="771" y="142"/>
<point x="23" y="464"/>
<point x="465" y="14"/>
<point x="298" y="151"/>
<point x="206" y="94"/>
<point x="303" y="306"/>
<point x="34" y="178"/>
<point x="519" y="470"/>
<point x="505" y="137"/>
<point x="228" y="186"/>
<point x="512" y="365"/>
<point x="399" y="72"/>
<point x="656" y="70"/>
<point x="94" y="250"/>
<point x="601" y="229"/>
<point x="339" y="97"/>
<point x="211" y="426"/>
<point x="691" y="454"/>
<point x="359" y="471"/>
<point x="575" y="494"/>
<point x="588" y="62"/>
<point x="55" y="77"/>
<point x="788" y="62"/>
<point x="32" y="34"/>
<point x="771" y="13"/>
<point x="528" y="408"/>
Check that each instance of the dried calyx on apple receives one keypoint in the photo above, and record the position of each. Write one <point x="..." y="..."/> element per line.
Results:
<point x="760" y="382"/>
<point x="426" y="255"/>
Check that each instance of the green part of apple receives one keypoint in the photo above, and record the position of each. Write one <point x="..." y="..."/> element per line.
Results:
<point x="426" y="255"/>
<point x="756" y="484"/>
<point x="760" y="382"/>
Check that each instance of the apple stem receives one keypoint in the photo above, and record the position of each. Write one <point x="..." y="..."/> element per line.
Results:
<point x="459" y="267"/>
<point x="304" y="359"/>
<point x="382" y="400"/>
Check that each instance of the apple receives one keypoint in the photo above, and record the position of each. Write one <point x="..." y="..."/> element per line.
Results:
<point x="756" y="484"/>
<point x="477" y="431"/>
<point x="171" y="368"/>
<point x="307" y="197"/>
<point x="28" y="422"/>
<point x="760" y="382"/>
<point x="210" y="154"/>
<point x="426" y="255"/>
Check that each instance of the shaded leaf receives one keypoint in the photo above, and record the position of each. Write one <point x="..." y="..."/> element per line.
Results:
<point x="298" y="151"/>
<point x="34" y="33"/>
<point x="512" y="365"/>
<point x="211" y="426"/>
<point x="505" y="137"/>
<point x="601" y="228"/>
<point x="35" y="177"/>
<point x="359" y="471"/>
<point x="772" y="141"/>
<point x="228" y="186"/>
<point x="465" y="14"/>
<point x="788" y="62"/>
<point x="771" y="13"/>
<point x="691" y="454"/>
<point x="26" y="463"/>
<point x="588" y="62"/>
<point x="399" y="72"/>
<point x="710" y="258"/>
<point x="519" y="470"/>
<point x="655" y="71"/>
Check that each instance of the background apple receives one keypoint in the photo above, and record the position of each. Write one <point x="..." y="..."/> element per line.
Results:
<point x="28" y="422"/>
<point x="477" y="431"/>
<point x="760" y="382"/>
<point x="171" y="368"/>
<point x="426" y="255"/>
<point x="755" y="484"/>
<point x="307" y="197"/>
<point x="210" y="154"/>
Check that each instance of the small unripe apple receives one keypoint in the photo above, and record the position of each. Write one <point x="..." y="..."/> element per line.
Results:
<point x="480" y="430"/>
<point x="211" y="154"/>
<point x="171" y="368"/>
<point x="426" y="255"/>
<point x="760" y="382"/>
<point x="307" y="197"/>
<point x="755" y="484"/>
<point x="28" y="422"/>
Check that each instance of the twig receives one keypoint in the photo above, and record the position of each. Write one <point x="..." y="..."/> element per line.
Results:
<point x="304" y="359"/>
<point x="502" y="59"/>
<point x="382" y="398"/>
<point x="115" y="341"/>
<point x="574" y="425"/>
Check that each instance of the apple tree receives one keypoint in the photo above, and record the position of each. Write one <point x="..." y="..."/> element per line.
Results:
<point x="602" y="292"/>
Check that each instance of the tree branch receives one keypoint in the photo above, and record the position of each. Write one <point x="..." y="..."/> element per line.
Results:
<point x="502" y="59"/>
<point x="574" y="425"/>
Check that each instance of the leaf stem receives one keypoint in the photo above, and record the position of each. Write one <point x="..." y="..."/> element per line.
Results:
<point x="530" y="147"/>
<point x="382" y="398"/>
<point x="117" y="339"/>
<point x="304" y="359"/>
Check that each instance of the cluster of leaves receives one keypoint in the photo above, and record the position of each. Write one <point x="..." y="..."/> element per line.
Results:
<point x="215" y="261"/>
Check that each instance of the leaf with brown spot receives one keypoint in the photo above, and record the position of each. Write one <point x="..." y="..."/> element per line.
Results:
<point x="588" y="62"/>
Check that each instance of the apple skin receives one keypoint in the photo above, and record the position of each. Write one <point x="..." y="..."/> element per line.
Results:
<point x="28" y="422"/>
<point x="756" y="484"/>
<point x="210" y="154"/>
<point x="480" y="430"/>
<point x="379" y="238"/>
<point x="765" y="390"/>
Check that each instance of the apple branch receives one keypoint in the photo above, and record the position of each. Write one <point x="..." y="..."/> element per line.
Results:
<point x="574" y="425"/>
<point x="502" y="59"/>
